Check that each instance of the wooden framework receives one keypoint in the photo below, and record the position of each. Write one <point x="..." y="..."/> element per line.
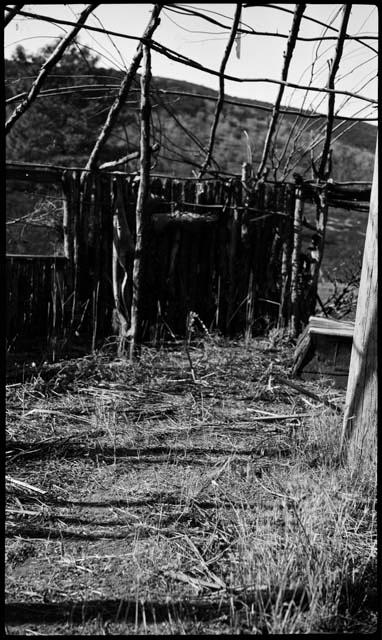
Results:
<point x="226" y="250"/>
<point x="110" y="220"/>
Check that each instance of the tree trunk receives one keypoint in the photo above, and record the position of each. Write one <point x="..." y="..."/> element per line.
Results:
<point x="141" y="210"/>
<point x="359" y="436"/>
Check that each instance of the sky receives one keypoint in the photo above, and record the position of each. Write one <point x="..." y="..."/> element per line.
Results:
<point x="259" y="56"/>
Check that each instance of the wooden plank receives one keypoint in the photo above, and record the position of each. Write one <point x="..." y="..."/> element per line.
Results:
<point x="327" y="326"/>
<point x="359" y="436"/>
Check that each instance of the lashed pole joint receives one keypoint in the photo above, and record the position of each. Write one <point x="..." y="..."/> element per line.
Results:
<point x="47" y="67"/>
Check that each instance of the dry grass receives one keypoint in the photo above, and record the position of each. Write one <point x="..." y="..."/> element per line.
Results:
<point x="183" y="507"/>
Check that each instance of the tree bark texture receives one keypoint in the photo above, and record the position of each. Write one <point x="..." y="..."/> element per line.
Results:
<point x="359" y="436"/>
<point x="321" y="222"/>
<point x="141" y="210"/>
<point x="296" y="264"/>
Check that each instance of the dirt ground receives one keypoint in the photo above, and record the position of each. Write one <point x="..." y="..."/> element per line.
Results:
<point x="160" y="498"/>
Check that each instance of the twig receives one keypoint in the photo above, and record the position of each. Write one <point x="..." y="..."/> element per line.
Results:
<point x="218" y="581"/>
<point x="274" y="493"/>
<point x="24" y="485"/>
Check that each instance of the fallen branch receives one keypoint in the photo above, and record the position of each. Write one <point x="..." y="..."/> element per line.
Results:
<point x="24" y="485"/>
<point x="307" y="392"/>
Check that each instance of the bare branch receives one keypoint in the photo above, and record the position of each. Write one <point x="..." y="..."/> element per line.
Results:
<point x="331" y="100"/>
<point x="47" y="66"/>
<point x="134" y="155"/>
<point x="188" y="94"/>
<point x="254" y="32"/>
<point x="173" y="55"/>
<point x="124" y="90"/>
<point x="280" y="8"/>
<point x="220" y="101"/>
<point x="299" y="10"/>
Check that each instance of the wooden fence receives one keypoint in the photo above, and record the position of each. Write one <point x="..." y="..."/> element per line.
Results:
<point x="218" y="248"/>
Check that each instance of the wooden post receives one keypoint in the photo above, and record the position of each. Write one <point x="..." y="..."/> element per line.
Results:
<point x="284" y="310"/>
<point x="123" y="249"/>
<point x="141" y="209"/>
<point x="296" y="262"/>
<point x="321" y="223"/>
<point x="232" y="259"/>
<point x="359" y="435"/>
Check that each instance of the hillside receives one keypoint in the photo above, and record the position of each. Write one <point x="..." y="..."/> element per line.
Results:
<point x="62" y="129"/>
<point x="353" y="154"/>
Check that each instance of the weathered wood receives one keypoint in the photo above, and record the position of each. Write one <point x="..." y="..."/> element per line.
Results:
<point x="123" y="252"/>
<point x="193" y="264"/>
<point x="322" y="209"/>
<point x="286" y="255"/>
<point x="21" y="171"/>
<point x="295" y="327"/>
<point x="301" y="389"/>
<point x="235" y="222"/>
<point x="324" y="349"/>
<point x="141" y="214"/>
<point x="67" y="219"/>
<point x="75" y="199"/>
<point x="106" y="299"/>
<point x="160" y="221"/>
<point x="359" y="436"/>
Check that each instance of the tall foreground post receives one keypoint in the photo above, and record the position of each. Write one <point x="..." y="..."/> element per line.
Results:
<point x="141" y="209"/>
<point x="359" y="435"/>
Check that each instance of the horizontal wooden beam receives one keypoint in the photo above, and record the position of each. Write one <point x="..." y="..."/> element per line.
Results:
<point x="29" y="256"/>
